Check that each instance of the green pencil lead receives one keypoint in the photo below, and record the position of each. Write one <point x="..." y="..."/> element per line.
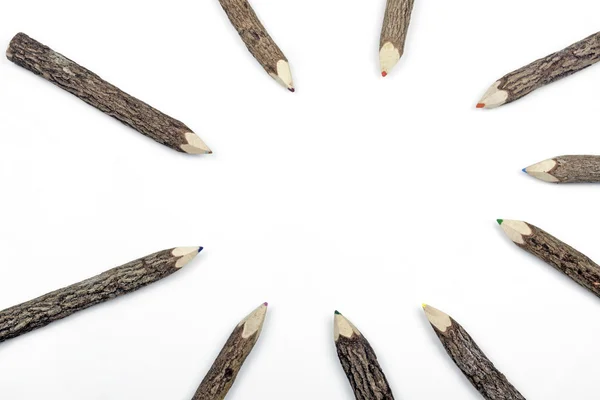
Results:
<point x="500" y="221"/>
<point x="337" y="312"/>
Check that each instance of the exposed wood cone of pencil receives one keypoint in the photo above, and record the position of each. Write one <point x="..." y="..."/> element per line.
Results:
<point x="222" y="374"/>
<point x="554" y="252"/>
<point x="61" y="303"/>
<point x="567" y="169"/>
<point x="469" y="358"/>
<point x="393" y="33"/>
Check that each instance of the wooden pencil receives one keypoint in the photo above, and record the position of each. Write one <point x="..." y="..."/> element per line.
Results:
<point x="546" y="70"/>
<point x="393" y="33"/>
<point x="469" y="358"/>
<point x="89" y="87"/>
<point x="226" y="367"/>
<point x="258" y="41"/>
<point x="561" y="256"/>
<point x="567" y="169"/>
<point x="359" y="362"/>
<point x="118" y="281"/>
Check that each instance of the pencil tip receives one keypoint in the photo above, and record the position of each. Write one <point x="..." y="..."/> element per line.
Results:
<point x="337" y="312"/>
<point x="293" y="90"/>
<point x="185" y="255"/>
<point x="499" y="221"/>
<point x="480" y="105"/>
<point x="200" y="249"/>
<point x="194" y="144"/>
<point x="524" y="170"/>
<point x="383" y="73"/>
<point x="266" y="304"/>
<point x="424" y="306"/>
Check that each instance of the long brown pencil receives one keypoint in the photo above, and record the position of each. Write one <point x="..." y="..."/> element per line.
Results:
<point x="561" y="256"/>
<point x="89" y="87"/>
<point x="393" y="33"/>
<point x="118" y="281"/>
<point x="359" y="362"/>
<point x="226" y="367"/>
<point x="473" y="363"/>
<point x="546" y="70"/>
<point x="258" y="41"/>
<point x="567" y="169"/>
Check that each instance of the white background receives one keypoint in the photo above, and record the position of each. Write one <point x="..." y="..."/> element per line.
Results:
<point x="356" y="193"/>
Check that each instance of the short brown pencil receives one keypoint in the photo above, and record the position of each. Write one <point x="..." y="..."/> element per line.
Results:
<point x="222" y="374"/>
<point x="393" y="33"/>
<point x="89" y="87"/>
<point x="561" y="256"/>
<point x="359" y="362"/>
<point x="567" y="169"/>
<point x="258" y="41"/>
<point x="469" y="358"/>
<point x="546" y="70"/>
<point x="118" y="281"/>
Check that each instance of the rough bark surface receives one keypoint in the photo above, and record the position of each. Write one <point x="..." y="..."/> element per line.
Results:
<point x="89" y="87"/>
<point x="564" y="258"/>
<point x="478" y="369"/>
<point x="61" y="303"/>
<point x="253" y="33"/>
<point x="396" y="22"/>
<point x="573" y="169"/>
<point x="362" y="369"/>
<point x="226" y="367"/>
<point x="551" y="68"/>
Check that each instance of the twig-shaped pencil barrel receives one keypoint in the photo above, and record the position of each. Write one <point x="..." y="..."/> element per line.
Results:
<point x="258" y="41"/>
<point x="546" y="70"/>
<point x="473" y="363"/>
<point x="359" y="362"/>
<point x="118" y="281"/>
<point x="226" y="367"/>
<point x="561" y="256"/>
<point x="89" y="87"/>
<point x="393" y="33"/>
<point x="567" y="169"/>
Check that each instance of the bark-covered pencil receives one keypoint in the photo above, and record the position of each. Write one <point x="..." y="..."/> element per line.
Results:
<point x="567" y="169"/>
<point x="546" y="70"/>
<point x="561" y="256"/>
<point x="225" y="369"/>
<point x="469" y="358"/>
<point x="115" y="282"/>
<point x="89" y="87"/>
<point x="258" y="41"/>
<point x="359" y="362"/>
<point x="393" y="33"/>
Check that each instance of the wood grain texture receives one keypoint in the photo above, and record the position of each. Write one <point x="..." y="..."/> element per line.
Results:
<point x="469" y="358"/>
<point x="568" y="169"/>
<point x="61" y="303"/>
<point x="359" y="362"/>
<point x="89" y="87"/>
<point x="222" y="374"/>
<point x="258" y="41"/>
<point x="562" y="257"/>
<point x="549" y="69"/>
<point x="395" y="24"/>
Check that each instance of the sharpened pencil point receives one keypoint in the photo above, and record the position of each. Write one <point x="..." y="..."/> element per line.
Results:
<point x="499" y="221"/>
<point x="266" y="304"/>
<point x="195" y="145"/>
<point x="480" y="105"/>
<point x="185" y="254"/>
<point x="200" y="249"/>
<point x="424" y="305"/>
<point x="524" y="170"/>
<point x="383" y="73"/>
<point x="337" y="312"/>
<point x="292" y="90"/>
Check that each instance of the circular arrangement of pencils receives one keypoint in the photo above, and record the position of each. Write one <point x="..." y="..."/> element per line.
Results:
<point x="357" y="357"/>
